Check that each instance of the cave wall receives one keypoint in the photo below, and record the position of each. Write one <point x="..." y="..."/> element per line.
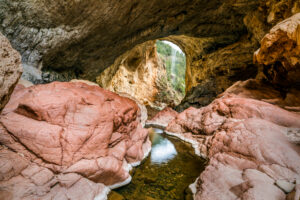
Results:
<point x="215" y="63"/>
<point x="85" y="37"/>
<point x="140" y="73"/>
<point x="79" y="39"/>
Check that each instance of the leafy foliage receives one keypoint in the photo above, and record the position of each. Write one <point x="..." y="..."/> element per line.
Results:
<point x="177" y="77"/>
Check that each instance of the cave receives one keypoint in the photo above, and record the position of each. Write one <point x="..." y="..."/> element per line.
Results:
<point x="94" y="106"/>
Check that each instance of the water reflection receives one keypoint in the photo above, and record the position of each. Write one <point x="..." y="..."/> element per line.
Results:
<point x="165" y="175"/>
<point x="162" y="149"/>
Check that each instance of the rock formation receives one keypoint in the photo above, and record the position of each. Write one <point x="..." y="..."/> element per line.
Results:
<point x="60" y="139"/>
<point x="279" y="54"/>
<point x="140" y="73"/>
<point x="162" y="118"/>
<point x="80" y="39"/>
<point x="249" y="144"/>
<point x="251" y="132"/>
<point x="68" y="133"/>
<point x="10" y="70"/>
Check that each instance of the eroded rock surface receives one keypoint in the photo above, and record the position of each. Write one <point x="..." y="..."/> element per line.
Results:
<point x="10" y="70"/>
<point x="250" y="144"/>
<point x="214" y="62"/>
<point x="162" y="118"/>
<point x="81" y="39"/>
<point x="140" y="73"/>
<point x="72" y="128"/>
<point x="279" y="53"/>
<point x="21" y="179"/>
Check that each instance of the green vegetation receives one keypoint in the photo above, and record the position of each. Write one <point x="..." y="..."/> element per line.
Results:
<point x="176" y="76"/>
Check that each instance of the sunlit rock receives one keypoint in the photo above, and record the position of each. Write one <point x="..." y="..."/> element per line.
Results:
<point x="140" y="73"/>
<point x="279" y="53"/>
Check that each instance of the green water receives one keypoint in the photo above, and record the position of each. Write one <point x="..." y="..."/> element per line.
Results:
<point x="166" y="173"/>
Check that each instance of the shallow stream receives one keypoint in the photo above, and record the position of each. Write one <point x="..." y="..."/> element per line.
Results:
<point x="166" y="173"/>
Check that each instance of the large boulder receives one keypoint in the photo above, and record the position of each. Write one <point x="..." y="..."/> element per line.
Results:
<point x="10" y="70"/>
<point x="75" y="128"/>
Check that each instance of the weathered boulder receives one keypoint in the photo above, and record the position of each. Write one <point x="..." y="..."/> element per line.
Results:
<point x="10" y="70"/>
<point x="250" y="143"/>
<point x="75" y="128"/>
<point x="140" y="73"/>
<point x="279" y="53"/>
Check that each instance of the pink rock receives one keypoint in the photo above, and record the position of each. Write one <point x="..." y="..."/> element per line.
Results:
<point x="162" y="118"/>
<point x="248" y="142"/>
<point x="72" y="128"/>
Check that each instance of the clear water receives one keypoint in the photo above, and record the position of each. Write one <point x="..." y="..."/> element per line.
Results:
<point x="166" y="173"/>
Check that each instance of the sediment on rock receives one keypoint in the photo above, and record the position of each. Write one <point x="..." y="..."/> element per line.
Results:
<point x="279" y="54"/>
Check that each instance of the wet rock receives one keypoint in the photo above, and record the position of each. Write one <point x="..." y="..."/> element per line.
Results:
<point x="115" y="196"/>
<point x="10" y="70"/>
<point x="90" y="131"/>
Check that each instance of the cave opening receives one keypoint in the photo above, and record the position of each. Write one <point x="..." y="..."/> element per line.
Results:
<point x="174" y="60"/>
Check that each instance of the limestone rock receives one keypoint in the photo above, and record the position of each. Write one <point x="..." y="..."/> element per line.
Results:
<point x="141" y="74"/>
<point x="279" y="53"/>
<point x="10" y="70"/>
<point x="84" y="81"/>
<point x="79" y="39"/>
<point x="75" y="128"/>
